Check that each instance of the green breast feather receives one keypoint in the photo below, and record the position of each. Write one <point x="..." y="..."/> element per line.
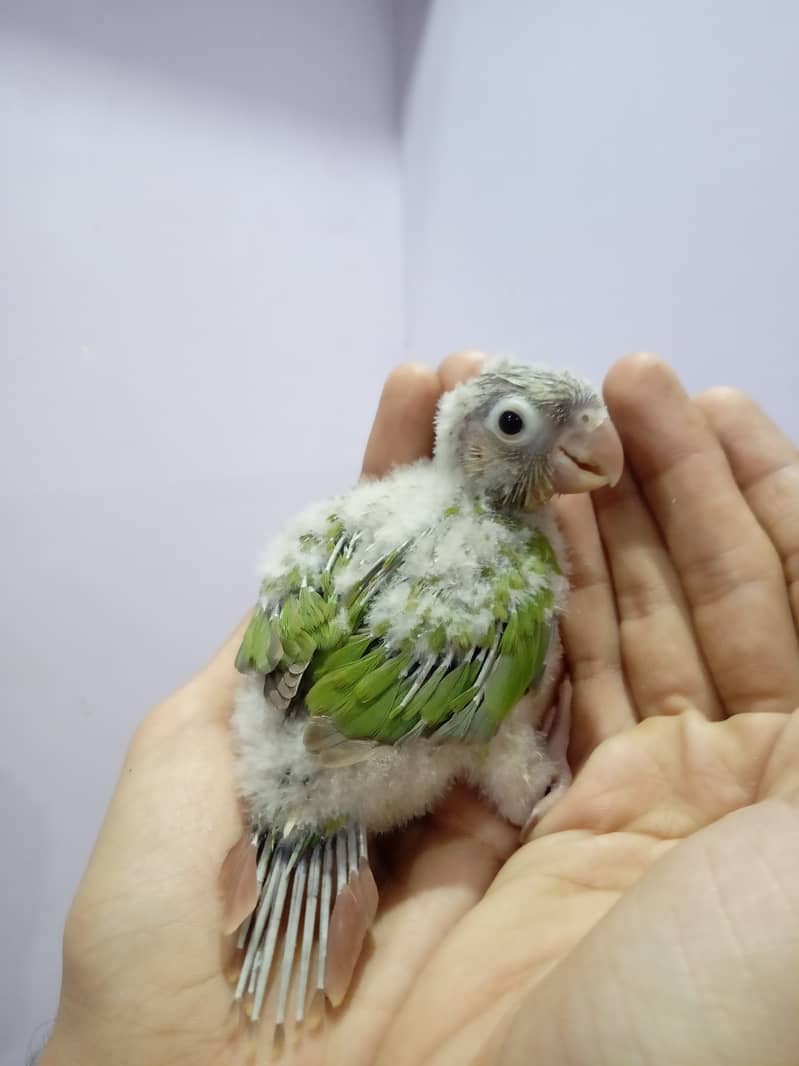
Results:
<point x="451" y="675"/>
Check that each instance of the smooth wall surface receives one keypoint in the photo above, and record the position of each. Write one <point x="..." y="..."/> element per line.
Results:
<point x="583" y="180"/>
<point x="199" y="282"/>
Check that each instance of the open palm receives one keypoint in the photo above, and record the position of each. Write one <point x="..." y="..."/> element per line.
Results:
<point x="655" y="916"/>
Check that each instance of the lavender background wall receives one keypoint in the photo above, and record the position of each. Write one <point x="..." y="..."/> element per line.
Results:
<point x="585" y="179"/>
<point x="200" y="253"/>
<point x="217" y="217"/>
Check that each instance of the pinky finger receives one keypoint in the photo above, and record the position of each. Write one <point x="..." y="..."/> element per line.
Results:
<point x="765" y="464"/>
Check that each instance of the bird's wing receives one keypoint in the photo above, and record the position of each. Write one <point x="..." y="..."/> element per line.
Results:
<point x="303" y="627"/>
<point x="298" y="613"/>
<point x="310" y="641"/>
<point x="366" y="692"/>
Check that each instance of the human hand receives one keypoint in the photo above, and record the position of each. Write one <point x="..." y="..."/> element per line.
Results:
<point x="655" y="916"/>
<point x="144" y="969"/>
<point x="452" y="966"/>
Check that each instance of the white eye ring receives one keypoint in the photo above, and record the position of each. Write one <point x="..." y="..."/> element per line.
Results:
<point x="519" y="430"/>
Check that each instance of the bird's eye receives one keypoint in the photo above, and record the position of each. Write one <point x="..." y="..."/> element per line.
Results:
<point x="510" y="423"/>
<point x="514" y="420"/>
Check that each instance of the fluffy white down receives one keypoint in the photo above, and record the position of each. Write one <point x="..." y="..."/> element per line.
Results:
<point x="398" y="508"/>
<point x="387" y="511"/>
<point x="280" y="781"/>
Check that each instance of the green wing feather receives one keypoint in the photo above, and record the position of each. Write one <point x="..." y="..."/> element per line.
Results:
<point x="462" y="690"/>
<point x="522" y="657"/>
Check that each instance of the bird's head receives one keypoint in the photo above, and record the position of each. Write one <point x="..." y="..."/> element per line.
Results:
<point x="520" y="434"/>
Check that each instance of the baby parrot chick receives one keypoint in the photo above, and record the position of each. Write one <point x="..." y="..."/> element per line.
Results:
<point x="405" y="637"/>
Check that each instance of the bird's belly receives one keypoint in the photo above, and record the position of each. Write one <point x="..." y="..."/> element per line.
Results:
<point x="281" y="782"/>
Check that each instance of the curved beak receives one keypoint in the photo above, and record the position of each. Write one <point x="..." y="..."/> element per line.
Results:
<point x="588" y="457"/>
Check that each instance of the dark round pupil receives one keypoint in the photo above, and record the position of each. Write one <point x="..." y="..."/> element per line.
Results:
<point x="510" y="423"/>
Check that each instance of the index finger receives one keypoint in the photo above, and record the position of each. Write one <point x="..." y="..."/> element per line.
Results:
<point x="727" y="566"/>
<point x="403" y="426"/>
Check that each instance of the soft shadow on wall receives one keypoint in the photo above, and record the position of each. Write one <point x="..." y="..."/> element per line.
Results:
<point x="410" y="21"/>
<point x="226" y="49"/>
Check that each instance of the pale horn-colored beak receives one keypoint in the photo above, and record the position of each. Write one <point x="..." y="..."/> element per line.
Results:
<point x="587" y="457"/>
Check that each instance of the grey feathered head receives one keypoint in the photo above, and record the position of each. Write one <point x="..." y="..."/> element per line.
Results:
<point x="520" y="434"/>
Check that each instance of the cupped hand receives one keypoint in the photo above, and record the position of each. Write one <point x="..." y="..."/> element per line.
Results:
<point x="655" y="916"/>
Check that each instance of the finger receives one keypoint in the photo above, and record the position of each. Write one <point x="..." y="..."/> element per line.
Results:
<point x="662" y="660"/>
<point x="765" y="463"/>
<point x="403" y="426"/>
<point x="459" y="367"/>
<point x="600" y="703"/>
<point x="208" y="696"/>
<point x="728" y="568"/>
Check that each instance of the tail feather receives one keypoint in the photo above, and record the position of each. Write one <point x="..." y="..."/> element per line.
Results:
<point x="348" y="927"/>
<point x="308" y="930"/>
<point x="324" y="922"/>
<point x="316" y="900"/>
<point x="238" y="883"/>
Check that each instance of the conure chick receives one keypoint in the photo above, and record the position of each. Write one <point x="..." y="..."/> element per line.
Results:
<point x="405" y="637"/>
